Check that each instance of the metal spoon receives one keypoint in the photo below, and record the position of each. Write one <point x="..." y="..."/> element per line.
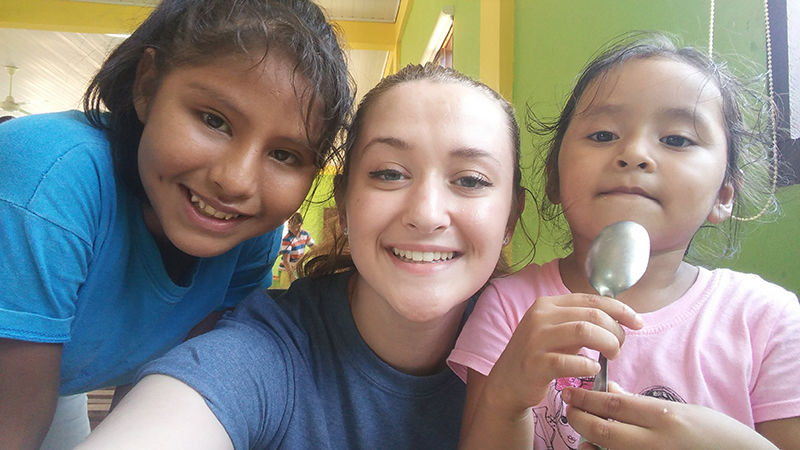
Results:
<point x="617" y="259"/>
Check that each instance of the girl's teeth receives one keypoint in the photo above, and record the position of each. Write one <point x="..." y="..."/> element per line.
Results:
<point x="210" y="211"/>
<point x="418" y="256"/>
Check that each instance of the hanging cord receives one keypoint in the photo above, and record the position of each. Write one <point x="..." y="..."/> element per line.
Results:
<point x="711" y="30"/>
<point x="771" y="105"/>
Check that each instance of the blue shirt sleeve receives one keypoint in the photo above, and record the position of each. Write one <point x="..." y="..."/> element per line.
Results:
<point x="55" y="177"/>
<point x="245" y="374"/>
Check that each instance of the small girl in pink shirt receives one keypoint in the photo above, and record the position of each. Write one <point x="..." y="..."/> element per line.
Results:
<point x="654" y="134"/>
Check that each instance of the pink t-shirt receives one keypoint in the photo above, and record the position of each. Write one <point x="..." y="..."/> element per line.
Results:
<point x="731" y="343"/>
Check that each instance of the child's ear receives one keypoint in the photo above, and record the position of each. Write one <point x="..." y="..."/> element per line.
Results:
<point x="723" y="207"/>
<point x="144" y="85"/>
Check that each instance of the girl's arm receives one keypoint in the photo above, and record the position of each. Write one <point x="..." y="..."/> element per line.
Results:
<point x="646" y="422"/>
<point x="159" y="412"/>
<point x="29" y="379"/>
<point x="486" y="419"/>
<point x="544" y="346"/>
<point x="784" y="433"/>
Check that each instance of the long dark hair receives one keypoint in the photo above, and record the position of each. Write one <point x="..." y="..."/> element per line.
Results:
<point x="190" y="32"/>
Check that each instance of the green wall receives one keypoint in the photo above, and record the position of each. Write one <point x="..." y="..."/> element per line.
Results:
<point x="466" y="33"/>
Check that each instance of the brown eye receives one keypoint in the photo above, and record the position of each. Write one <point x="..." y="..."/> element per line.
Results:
<point x="677" y="141"/>
<point x="602" y="136"/>
<point x="216" y="122"/>
<point x="284" y="156"/>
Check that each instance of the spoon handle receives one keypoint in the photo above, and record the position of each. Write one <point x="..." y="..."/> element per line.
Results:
<point x="601" y="379"/>
<point x="600" y="382"/>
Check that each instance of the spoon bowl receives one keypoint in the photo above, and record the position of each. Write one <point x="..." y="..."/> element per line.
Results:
<point x="618" y="257"/>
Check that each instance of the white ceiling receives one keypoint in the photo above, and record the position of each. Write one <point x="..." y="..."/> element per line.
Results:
<point x="54" y="68"/>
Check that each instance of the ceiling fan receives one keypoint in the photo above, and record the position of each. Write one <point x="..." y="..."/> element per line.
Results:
<point x="9" y="104"/>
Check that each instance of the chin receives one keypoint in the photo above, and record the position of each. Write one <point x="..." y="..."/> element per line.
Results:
<point x="198" y="250"/>
<point x="428" y="311"/>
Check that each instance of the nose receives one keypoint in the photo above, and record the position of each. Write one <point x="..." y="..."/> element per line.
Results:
<point x="235" y="174"/>
<point x="426" y="207"/>
<point x="635" y="154"/>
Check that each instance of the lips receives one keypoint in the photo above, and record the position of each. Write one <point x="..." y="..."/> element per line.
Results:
<point x="209" y="211"/>
<point x="635" y="190"/>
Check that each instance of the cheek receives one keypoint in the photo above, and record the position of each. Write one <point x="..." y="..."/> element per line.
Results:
<point x="165" y="155"/>
<point x="282" y="195"/>
<point x="485" y="225"/>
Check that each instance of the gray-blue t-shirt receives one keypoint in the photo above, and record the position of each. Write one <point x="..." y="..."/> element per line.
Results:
<point x="294" y="373"/>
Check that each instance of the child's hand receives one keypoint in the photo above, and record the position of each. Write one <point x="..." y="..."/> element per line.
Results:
<point x="646" y="422"/>
<point x="546" y="343"/>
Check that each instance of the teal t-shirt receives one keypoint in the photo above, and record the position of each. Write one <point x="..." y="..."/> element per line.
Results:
<point x="79" y="267"/>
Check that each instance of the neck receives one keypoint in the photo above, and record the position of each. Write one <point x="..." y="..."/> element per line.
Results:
<point x="177" y="264"/>
<point x="416" y="348"/>
<point x="667" y="278"/>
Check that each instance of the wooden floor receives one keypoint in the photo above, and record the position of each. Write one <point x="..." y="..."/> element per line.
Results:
<point x="99" y="402"/>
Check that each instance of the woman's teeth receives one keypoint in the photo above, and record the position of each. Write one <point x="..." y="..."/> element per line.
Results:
<point x="422" y="256"/>
<point x="209" y="211"/>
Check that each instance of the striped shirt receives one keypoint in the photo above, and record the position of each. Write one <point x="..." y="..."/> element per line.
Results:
<point x="295" y="246"/>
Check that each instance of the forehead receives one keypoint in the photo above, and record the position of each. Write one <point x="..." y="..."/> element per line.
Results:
<point x="265" y="81"/>
<point x="655" y="82"/>
<point x="426" y="111"/>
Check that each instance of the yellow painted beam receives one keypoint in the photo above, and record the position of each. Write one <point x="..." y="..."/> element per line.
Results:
<point x="368" y="35"/>
<point x="403" y="11"/>
<point x="87" y="17"/>
<point x="81" y="17"/>
<point x="497" y="45"/>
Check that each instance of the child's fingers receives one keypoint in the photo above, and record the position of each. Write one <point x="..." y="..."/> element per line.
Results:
<point x="595" y="427"/>
<point x="641" y="411"/>
<point x="569" y="329"/>
<point x="605" y="312"/>
<point x="616" y="388"/>
<point x="617" y="310"/>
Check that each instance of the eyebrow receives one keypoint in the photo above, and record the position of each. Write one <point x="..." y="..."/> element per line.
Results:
<point x="461" y="152"/>
<point x="597" y="110"/>
<point x="682" y="113"/>
<point x="388" y="140"/>
<point x="694" y="116"/>
<point x="214" y="94"/>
